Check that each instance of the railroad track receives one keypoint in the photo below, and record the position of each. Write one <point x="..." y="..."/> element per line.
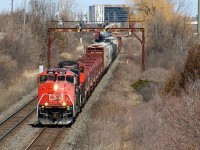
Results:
<point x="46" y="138"/>
<point x="15" y="119"/>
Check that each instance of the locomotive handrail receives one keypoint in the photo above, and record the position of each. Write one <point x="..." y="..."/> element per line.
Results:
<point x="39" y="102"/>
<point x="72" y="103"/>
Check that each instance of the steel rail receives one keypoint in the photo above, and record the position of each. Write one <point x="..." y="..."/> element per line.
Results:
<point x="35" y="138"/>
<point x="50" y="146"/>
<point x="2" y="137"/>
<point x="17" y="111"/>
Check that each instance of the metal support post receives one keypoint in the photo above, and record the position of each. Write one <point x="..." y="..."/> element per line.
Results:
<point x="49" y="49"/>
<point x="12" y="7"/>
<point x="198" y="18"/>
<point x="143" y="51"/>
<point x="24" y="12"/>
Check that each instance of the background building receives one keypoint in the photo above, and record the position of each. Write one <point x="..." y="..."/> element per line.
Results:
<point x="108" y="13"/>
<point x="194" y="24"/>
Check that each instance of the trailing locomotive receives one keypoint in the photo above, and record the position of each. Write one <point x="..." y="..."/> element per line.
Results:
<point x="63" y="90"/>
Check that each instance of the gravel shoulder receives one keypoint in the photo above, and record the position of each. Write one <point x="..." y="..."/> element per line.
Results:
<point x="17" y="105"/>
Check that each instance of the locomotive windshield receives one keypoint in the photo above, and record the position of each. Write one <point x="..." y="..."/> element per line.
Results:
<point x="61" y="78"/>
<point x="43" y="78"/>
<point x="70" y="79"/>
<point x="82" y="69"/>
<point x="52" y="77"/>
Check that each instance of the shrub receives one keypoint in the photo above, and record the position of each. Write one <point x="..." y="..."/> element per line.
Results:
<point x="171" y="84"/>
<point x="178" y="117"/>
<point x="178" y="80"/>
<point x="192" y="66"/>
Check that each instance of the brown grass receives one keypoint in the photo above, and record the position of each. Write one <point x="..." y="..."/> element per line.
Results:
<point x="178" y="117"/>
<point x="177" y="80"/>
<point x="119" y="120"/>
<point x="192" y="66"/>
<point x="14" y="93"/>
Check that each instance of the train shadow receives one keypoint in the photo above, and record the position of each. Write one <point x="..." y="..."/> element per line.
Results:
<point x="39" y="125"/>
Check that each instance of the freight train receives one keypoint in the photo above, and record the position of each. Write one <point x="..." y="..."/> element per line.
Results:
<point x="64" y="89"/>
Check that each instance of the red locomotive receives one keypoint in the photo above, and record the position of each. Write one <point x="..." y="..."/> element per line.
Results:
<point x="63" y="90"/>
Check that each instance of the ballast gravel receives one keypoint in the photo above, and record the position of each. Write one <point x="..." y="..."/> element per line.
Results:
<point x="78" y="129"/>
<point x="21" y="139"/>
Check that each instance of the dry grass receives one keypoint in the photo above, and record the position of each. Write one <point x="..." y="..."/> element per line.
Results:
<point x="120" y="120"/>
<point x="20" y="87"/>
<point x="192" y="66"/>
<point x="178" y="117"/>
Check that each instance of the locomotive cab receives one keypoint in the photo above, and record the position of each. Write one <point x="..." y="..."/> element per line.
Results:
<point x="58" y="96"/>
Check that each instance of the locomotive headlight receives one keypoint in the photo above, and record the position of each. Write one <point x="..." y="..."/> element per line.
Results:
<point x="46" y="104"/>
<point x="55" y="87"/>
<point x="64" y="104"/>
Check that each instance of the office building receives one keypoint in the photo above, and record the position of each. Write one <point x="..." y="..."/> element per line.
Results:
<point x="108" y="13"/>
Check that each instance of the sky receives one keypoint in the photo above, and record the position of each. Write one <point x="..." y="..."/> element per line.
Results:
<point x="5" y="5"/>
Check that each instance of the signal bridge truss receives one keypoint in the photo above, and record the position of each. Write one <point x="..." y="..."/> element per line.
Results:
<point x="130" y="28"/>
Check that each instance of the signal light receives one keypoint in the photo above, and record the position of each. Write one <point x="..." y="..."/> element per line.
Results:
<point x="46" y="104"/>
<point x="79" y="27"/>
<point x="105" y="29"/>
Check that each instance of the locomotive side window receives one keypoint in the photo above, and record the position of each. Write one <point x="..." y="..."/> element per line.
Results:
<point x="61" y="78"/>
<point x="70" y="79"/>
<point x="43" y="78"/>
<point x="82" y="69"/>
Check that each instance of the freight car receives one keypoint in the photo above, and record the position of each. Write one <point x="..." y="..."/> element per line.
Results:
<point x="63" y="90"/>
<point x="115" y="41"/>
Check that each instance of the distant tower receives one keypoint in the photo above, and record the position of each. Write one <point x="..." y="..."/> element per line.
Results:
<point x="12" y="7"/>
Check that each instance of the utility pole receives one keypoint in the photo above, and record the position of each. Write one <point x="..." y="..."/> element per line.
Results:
<point x="198" y="18"/>
<point x="24" y="13"/>
<point x="12" y="6"/>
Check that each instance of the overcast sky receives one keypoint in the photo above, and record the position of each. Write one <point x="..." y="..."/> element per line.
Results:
<point x="5" y="5"/>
